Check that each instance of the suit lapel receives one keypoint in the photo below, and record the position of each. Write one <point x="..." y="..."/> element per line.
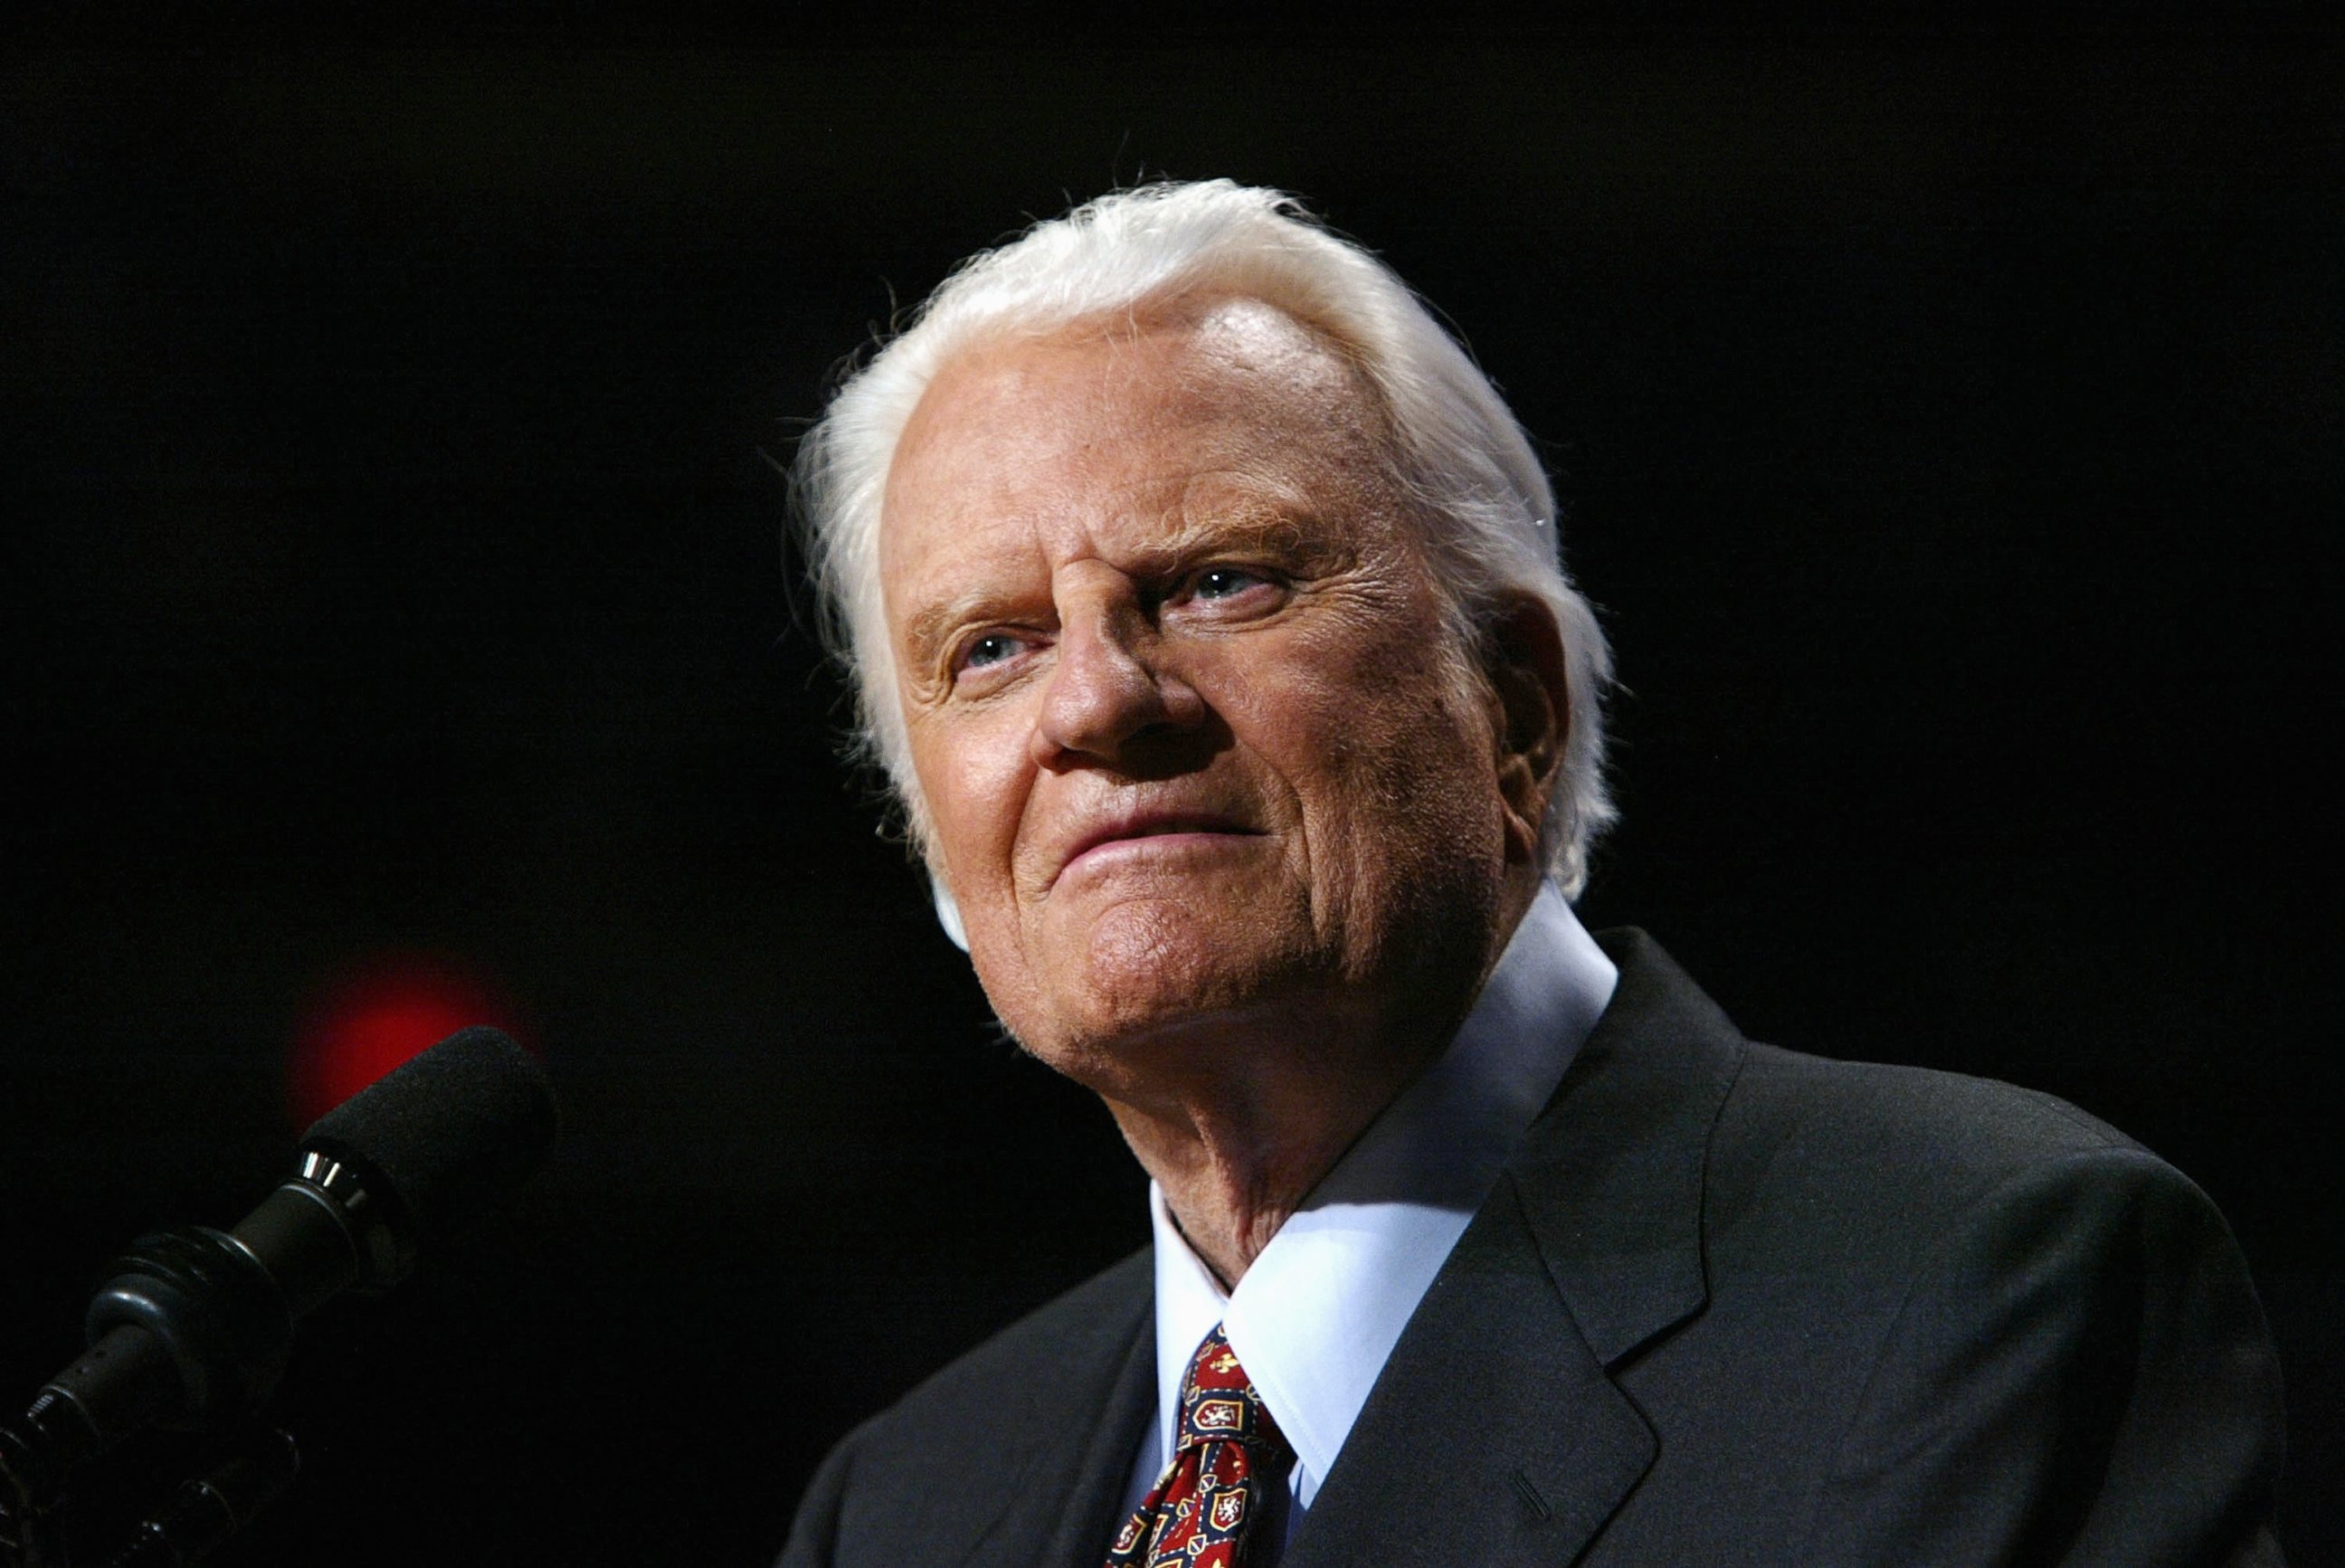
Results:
<point x="1496" y="1434"/>
<point x="1089" y="1495"/>
<point x="1493" y="1437"/>
<point x="1061" y="1506"/>
<point x="1610" y="1176"/>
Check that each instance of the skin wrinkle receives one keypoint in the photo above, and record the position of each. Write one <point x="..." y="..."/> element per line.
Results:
<point x="1349" y="844"/>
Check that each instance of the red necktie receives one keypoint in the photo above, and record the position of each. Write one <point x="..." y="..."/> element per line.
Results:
<point x="1227" y="1456"/>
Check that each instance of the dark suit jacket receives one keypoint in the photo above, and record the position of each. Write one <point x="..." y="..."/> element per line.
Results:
<point x="1728" y="1305"/>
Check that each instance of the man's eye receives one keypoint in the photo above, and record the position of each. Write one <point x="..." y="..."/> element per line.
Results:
<point x="1223" y="582"/>
<point x="991" y="648"/>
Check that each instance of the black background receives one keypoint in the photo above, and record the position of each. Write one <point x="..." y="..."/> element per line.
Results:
<point x="1948" y="421"/>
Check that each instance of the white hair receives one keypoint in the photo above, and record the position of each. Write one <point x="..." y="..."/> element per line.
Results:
<point x="1484" y="500"/>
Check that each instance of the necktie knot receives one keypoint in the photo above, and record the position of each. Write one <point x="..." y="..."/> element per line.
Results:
<point x="1218" y="1402"/>
<point x="1226" y="1456"/>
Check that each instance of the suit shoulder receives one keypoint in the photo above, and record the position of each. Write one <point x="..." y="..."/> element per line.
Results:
<point x="2001" y="1299"/>
<point x="1894" y="1150"/>
<point x="1876" y="1110"/>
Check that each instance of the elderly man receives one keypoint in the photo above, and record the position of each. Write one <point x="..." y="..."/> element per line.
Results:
<point x="1207" y="614"/>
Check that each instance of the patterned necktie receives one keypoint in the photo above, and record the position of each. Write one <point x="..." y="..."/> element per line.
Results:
<point x="1229" y="1453"/>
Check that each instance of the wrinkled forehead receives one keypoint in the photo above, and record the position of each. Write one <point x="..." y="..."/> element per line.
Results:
<point x="1231" y="381"/>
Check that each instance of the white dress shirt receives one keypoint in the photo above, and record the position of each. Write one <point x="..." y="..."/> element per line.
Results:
<point x="1319" y="1310"/>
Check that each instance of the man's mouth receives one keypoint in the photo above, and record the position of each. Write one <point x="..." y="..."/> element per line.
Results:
<point x="1124" y="834"/>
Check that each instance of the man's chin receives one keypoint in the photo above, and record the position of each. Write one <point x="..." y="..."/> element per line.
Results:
<point x="1168" y="956"/>
<point x="1128" y="1032"/>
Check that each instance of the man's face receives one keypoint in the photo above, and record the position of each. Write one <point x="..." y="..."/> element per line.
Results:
<point x="1205" y="769"/>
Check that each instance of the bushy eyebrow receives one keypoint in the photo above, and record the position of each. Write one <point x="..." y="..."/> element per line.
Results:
<point x="928" y="628"/>
<point x="1256" y="529"/>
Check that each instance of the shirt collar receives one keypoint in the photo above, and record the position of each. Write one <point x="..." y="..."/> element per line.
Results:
<point x="1319" y="1309"/>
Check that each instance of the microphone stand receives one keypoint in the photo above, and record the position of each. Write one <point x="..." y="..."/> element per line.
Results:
<point x="251" y="1470"/>
<point x="34" y="1454"/>
<point x="208" y="1509"/>
<point x="195" y="1326"/>
<point x="192" y="1331"/>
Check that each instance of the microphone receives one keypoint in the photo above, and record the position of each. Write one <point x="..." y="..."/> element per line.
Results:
<point x="193" y="1327"/>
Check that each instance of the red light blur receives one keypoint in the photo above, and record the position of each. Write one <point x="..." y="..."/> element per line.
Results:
<point x="379" y="1012"/>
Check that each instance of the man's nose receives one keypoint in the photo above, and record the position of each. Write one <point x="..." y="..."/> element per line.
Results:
<point x="1108" y="685"/>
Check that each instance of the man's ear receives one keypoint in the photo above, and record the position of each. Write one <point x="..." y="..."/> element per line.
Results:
<point x="1522" y="660"/>
<point x="948" y="910"/>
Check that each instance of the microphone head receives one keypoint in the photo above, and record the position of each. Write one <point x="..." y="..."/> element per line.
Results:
<point x="451" y="1132"/>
